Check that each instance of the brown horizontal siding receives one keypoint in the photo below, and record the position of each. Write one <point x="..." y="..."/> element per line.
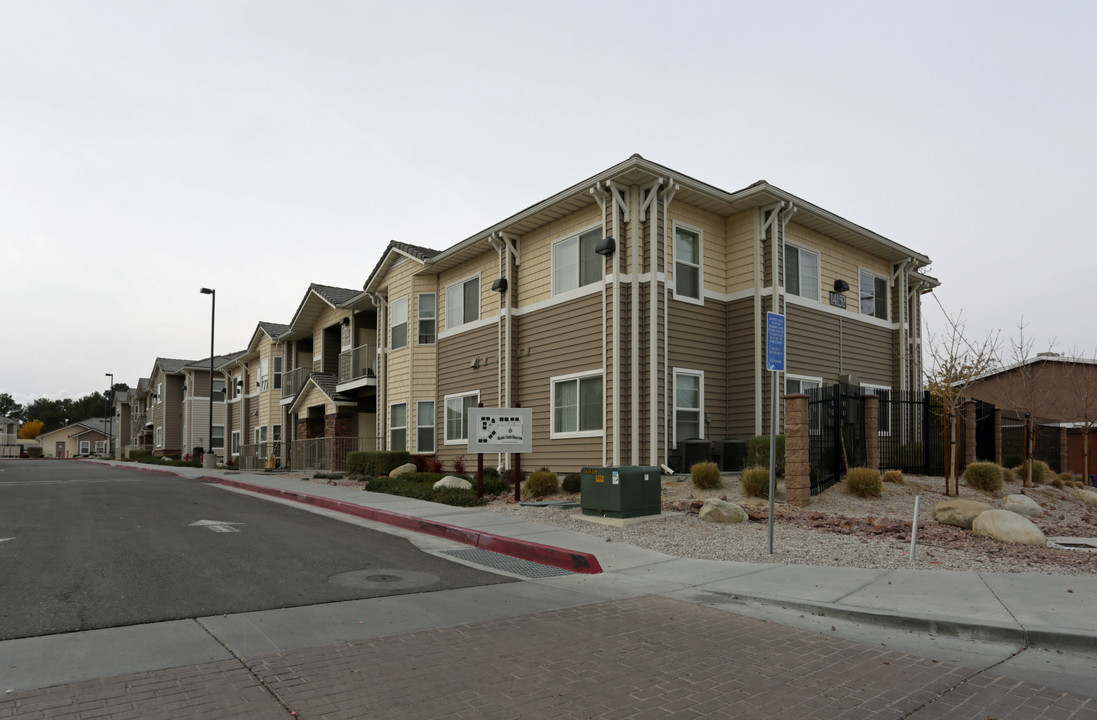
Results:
<point x="457" y="376"/>
<point x="824" y="345"/>
<point x="742" y="357"/>
<point x="698" y="341"/>
<point x="560" y="340"/>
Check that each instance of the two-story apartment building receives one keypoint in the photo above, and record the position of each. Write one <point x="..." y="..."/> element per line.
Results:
<point x="629" y="312"/>
<point x="198" y="394"/>
<point x="255" y="397"/>
<point x="122" y="427"/>
<point x="165" y="398"/>
<point x="9" y="437"/>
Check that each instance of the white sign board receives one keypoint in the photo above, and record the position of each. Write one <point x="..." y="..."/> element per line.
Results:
<point x="500" y="430"/>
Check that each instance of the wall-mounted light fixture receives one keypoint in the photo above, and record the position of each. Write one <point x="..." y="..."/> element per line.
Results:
<point x="500" y="285"/>
<point x="346" y="321"/>
<point x="605" y="246"/>
<point x="475" y="363"/>
<point x="841" y="286"/>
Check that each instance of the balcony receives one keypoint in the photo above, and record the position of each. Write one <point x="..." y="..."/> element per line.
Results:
<point x="294" y="380"/>
<point x="357" y="367"/>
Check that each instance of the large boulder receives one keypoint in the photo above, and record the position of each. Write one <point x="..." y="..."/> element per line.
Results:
<point x="1023" y="505"/>
<point x="1087" y="496"/>
<point x="960" y="513"/>
<point x="449" y="481"/>
<point x="722" y="511"/>
<point x="1008" y="527"/>
<point x="404" y="469"/>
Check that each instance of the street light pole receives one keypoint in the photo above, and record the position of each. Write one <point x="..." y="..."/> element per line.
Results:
<point x="210" y="459"/>
<point x="110" y="416"/>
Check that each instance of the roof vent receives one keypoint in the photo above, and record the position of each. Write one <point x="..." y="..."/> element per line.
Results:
<point x="1048" y="354"/>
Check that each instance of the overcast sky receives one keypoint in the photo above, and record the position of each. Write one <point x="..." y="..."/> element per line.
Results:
<point x="148" y="149"/>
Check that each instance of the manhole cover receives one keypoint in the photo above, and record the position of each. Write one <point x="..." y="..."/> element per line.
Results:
<point x="384" y="579"/>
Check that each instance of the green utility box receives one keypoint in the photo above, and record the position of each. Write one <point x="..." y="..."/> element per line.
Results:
<point x="621" y="492"/>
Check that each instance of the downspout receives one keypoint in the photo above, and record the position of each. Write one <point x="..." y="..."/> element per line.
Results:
<point x="651" y="203"/>
<point x="381" y="415"/>
<point x="500" y="326"/>
<point x="602" y="197"/>
<point x="898" y="279"/>
<point x="620" y="205"/>
<point x="511" y="294"/>
<point x="668" y="196"/>
<point x="634" y="317"/>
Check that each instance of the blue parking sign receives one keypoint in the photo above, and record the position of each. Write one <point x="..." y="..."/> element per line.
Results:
<point x="775" y="342"/>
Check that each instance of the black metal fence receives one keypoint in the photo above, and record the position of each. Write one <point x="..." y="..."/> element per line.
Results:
<point x="837" y="429"/>
<point x="1048" y="446"/>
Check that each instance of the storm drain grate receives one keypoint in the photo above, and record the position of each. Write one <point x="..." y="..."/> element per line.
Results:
<point x="507" y="563"/>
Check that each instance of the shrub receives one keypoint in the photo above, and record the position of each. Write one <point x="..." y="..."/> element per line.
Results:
<point x="420" y="486"/>
<point x="1065" y="476"/>
<point x="985" y="476"/>
<point x="573" y="483"/>
<point x="1058" y="482"/>
<point x="1008" y="476"/>
<point x="434" y="466"/>
<point x="758" y="452"/>
<point x="138" y="454"/>
<point x="756" y="482"/>
<point x="376" y="463"/>
<point x="864" y="482"/>
<point x="1040" y="472"/>
<point x="893" y="476"/>
<point x="705" y="476"/>
<point x="459" y="464"/>
<point x="327" y="476"/>
<point x="420" y="462"/>
<point x="540" y="484"/>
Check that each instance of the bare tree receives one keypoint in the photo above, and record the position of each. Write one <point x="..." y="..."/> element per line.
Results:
<point x="1082" y="378"/>
<point x="954" y="364"/>
<point x="1027" y="391"/>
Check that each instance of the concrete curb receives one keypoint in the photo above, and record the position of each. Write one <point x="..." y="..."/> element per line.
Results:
<point x="578" y="562"/>
<point x="1016" y="634"/>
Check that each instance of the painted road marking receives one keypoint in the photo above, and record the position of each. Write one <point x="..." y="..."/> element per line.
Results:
<point x="6" y="539"/>
<point x="216" y="525"/>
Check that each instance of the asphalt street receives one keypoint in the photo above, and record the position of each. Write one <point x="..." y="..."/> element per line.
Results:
<point x="86" y="546"/>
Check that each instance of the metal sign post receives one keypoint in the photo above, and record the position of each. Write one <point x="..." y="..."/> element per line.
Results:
<point x="775" y="363"/>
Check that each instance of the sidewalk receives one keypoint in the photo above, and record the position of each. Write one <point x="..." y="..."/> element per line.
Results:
<point x="1026" y="609"/>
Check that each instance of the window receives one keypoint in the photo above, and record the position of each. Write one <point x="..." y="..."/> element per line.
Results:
<point x="457" y="416"/>
<point x="801" y="272"/>
<point x="802" y="385"/>
<point x="159" y="437"/>
<point x="219" y="396"/>
<point x="217" y="438"/>
<point x="428" y="318"/>
<point x="277" y="372"/>
<point x="85" y="447"/>
<point x="399" y="322"/>
<point x="255" y="432"/>
<point x="235" y="442"/>
<point x="689" y="404"/>
<point x="463" y="302"/>
<point x="575" y="263"/>
<point x="263" y="383"/>
<point x="100" y="447"/>
<point x="883" y="412"/>
<point x="577" y="405"/>
<point x="424" y="426"/>
<point x="874" y="295"/>
<point x="398" y="426"/>
<point x="159" y="393"/>
<point x="262" y="433"/>
<point x="237" y="385"/>
<point x="687" y="263"/>
<point x="276" y="433"/>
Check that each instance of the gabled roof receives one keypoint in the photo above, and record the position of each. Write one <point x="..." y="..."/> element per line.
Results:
<point x="169" y="366"/>
<point x="273" y="330"/>
<point x="142" y="387"/>
<point x="122" y="396"/>
<point x="83" y="426"/>
<point x="218" y="362"/>
<point x="316" y="298"/>
<point x="5" y="420"/>
<point x="1039" y="358"/>
<point x="326" y="383"/>
<point x="394" y="252"/>
<point x="638" y="171"/>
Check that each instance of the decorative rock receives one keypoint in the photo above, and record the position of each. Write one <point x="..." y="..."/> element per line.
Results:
<point x="1008" y="527"/>
<point x="722" y="511"/>
<point x="960" y="513"/>
<point x="1087" y="496"/>
<point x="404" y="469"/>
<point x="449" y="481"/>
<point x="1023" y="505"/>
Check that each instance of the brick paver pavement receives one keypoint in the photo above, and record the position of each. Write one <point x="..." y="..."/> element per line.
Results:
<point x="642" y="658"/>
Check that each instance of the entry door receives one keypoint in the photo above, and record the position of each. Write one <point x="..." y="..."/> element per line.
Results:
<point x="59" y="449"/>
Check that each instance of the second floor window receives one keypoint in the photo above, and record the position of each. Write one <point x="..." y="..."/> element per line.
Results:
<point x="399" y="322"/>
<point x="277" y="372"/>
<point x="687" y="264"/>
<point x="874" y="295"/>
<point x="428" y="318"/>
<point x="463" y="302"/>
<point x="575" y="263"/>
<point x="801" y="272"/>
<point x="219" y="394"/>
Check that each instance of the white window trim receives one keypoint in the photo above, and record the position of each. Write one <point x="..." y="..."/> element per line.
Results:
<point x="445" y="402"/>
<point x="552" y="261"/>
<point x="404" y="427"/>
<point x="887" y="298"/>
<point x="85" y="447"/>
<point x="819" y="263"/>
<point x="279" y="433"/>
<point x="419" y="317"/>
<point x="802" y="378"/>
<point x="222" y="448"/>
<point x="159" y="437"/>
<point x="813" y="428"/>
<point x="234" y="443"/>
<point x="480" y="305"/>
<point x="405" y="303"/>
<point x="874" y="390"/>
<point x="700" y="299"/>
<point x="675" y="372"/>
<point x="420" y="426"/>
<point x="276" y="361"/>
<point x="553" y="435"/>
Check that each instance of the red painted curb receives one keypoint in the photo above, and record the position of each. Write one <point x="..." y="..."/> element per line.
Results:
<point x="578" y="562"/>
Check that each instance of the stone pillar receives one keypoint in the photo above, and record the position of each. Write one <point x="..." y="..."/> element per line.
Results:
<point x="997" y="437"/>
<point x="797" y="450"/>
<point x="310" y="428"/>
<point x="339" y="425"/>
<point x="1063" y="450"/>
<point x="969" y="434"/>
<point x="872" y="432"/>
